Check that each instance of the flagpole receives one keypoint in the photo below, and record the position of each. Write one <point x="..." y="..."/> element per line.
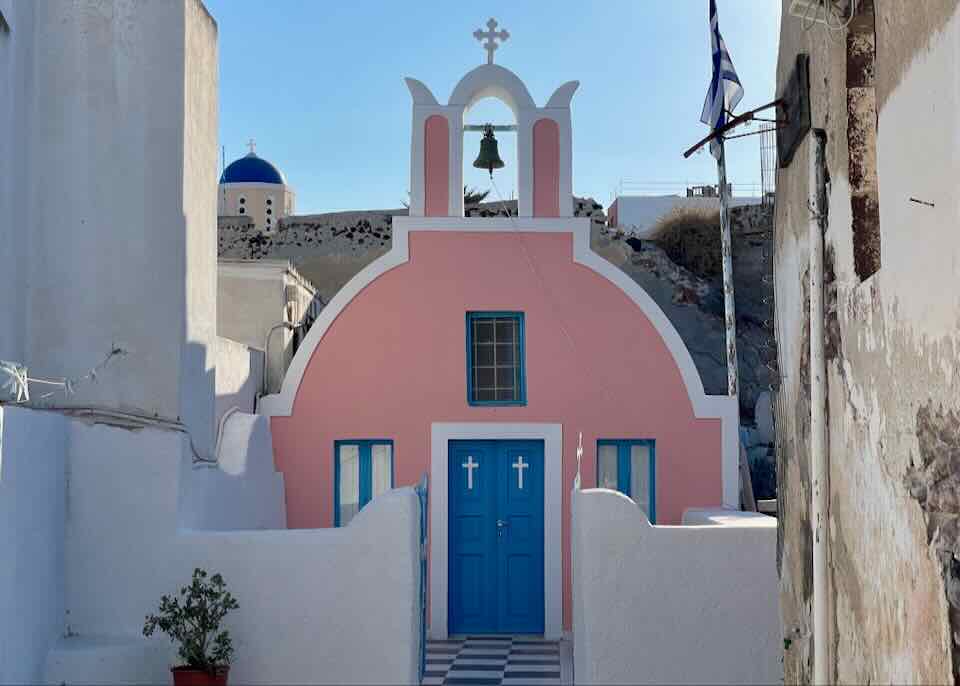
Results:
<point x="729" y="307"/>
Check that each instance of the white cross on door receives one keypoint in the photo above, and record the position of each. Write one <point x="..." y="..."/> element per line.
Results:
<point x="520" y="465"/>
<point x="470" y="465"/>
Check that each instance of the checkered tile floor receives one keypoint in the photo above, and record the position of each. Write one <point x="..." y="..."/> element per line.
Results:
<point x="493" y="661"/>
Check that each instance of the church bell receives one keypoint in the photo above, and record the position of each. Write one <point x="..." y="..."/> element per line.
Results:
<point x="489" y="157"/>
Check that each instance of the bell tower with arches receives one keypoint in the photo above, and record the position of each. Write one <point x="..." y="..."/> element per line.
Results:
<point x="544" y="141"/>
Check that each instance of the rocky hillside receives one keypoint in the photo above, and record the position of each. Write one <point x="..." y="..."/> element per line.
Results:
<point x="681" y="271"/>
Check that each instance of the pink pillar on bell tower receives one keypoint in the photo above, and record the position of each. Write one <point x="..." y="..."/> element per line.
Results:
<point x="436" y="166"/>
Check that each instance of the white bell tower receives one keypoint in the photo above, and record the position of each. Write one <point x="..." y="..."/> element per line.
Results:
<point x="544" y="140"/>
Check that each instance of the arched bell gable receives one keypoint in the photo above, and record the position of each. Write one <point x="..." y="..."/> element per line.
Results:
<point x="489" y="80"/>
<point x="492" y="81"/>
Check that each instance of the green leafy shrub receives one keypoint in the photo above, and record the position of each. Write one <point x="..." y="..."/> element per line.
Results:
<point x="193" y="620"/>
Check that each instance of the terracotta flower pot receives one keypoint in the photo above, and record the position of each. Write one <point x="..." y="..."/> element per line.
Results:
<point x="188" y="676"/>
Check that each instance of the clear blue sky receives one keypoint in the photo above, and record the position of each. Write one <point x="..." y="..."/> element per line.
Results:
<point x="319" y="85"/>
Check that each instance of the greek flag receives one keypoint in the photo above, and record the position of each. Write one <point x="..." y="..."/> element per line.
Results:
<point x="725" y="90"/>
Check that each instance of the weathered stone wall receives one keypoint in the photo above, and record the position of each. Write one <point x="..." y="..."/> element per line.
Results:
<point x="328" y="249"/>
<point x="885" y="96"/>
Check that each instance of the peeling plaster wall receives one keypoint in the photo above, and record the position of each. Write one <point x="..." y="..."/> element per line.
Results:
<point x="892" y="350"/>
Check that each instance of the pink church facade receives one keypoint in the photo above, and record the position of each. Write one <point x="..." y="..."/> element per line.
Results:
<point x="394" y="360"/>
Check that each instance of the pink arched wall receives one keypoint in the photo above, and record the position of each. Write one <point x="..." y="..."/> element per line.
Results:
<point x="546" y="168"/>
<point x="394" y="361"/>
<point x="436" y="166"/>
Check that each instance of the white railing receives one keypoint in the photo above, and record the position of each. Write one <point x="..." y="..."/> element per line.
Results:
<point x="636" y="187"/>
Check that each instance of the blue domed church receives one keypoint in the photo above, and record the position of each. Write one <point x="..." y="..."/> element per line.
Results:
<point x="253" y="187"/>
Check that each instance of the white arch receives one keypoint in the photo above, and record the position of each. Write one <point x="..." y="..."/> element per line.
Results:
<point x="722" y="407"/>
<point x="492" y="80"/>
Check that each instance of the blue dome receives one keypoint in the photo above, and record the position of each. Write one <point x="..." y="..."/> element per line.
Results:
<point x="251" y="169"/>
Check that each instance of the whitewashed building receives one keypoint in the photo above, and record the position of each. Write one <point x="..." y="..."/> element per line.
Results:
<point x="640" y="215"/>
<point x="268" y="305"/>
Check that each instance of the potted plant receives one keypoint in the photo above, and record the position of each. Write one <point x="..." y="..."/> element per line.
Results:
<point x="193" y="620"/>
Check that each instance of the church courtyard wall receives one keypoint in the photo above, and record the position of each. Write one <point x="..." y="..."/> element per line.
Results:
<point x="714" y="621"/>
<point x="97" y="523"/>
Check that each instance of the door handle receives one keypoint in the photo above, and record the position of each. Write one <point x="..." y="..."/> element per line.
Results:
<point x="501" y="524"/>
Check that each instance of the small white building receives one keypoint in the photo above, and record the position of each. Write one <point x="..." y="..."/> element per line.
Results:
<point x="253" y="187"/>
<point x="640" y="214"/>
<point x="267" y="305"/>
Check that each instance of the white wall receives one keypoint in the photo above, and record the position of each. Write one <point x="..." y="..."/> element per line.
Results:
<point x="108" y="157"/>
<point x="316" y="606"/>
<point x="249" y="302"/>
<point x="32" y="511"/>
<point x="239" y="376"/>
<point x="673" y="604"/>
<point x="252" y="297"/>
<point x="14" y="59"/>
<point x="243" y="490"/>
<point x="197" y="71"/>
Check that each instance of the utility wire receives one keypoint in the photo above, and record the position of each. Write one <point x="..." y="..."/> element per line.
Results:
<point x="546" y="291"/>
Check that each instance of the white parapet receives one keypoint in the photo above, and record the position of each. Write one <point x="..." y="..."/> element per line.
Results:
<point x="32" y="513"/>
<point x="242" y="490"/>
<point x="316" y="606"/>
<point x="694" y="604"/>
<point x="91" y="529"/>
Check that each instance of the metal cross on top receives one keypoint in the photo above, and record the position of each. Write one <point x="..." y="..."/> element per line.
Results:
<point x="252" y="145"/>
<point x="491" y="35"/>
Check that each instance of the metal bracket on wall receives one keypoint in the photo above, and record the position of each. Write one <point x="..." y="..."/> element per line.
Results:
<point x="739" y="120"/>
<point x="795" y="109"/>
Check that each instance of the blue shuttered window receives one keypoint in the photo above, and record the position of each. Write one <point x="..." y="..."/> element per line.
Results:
<point x="630" y="466"/>
<point x="362" y="470"/>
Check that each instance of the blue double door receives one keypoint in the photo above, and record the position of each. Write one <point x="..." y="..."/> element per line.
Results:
<point x="495" y="574"/>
